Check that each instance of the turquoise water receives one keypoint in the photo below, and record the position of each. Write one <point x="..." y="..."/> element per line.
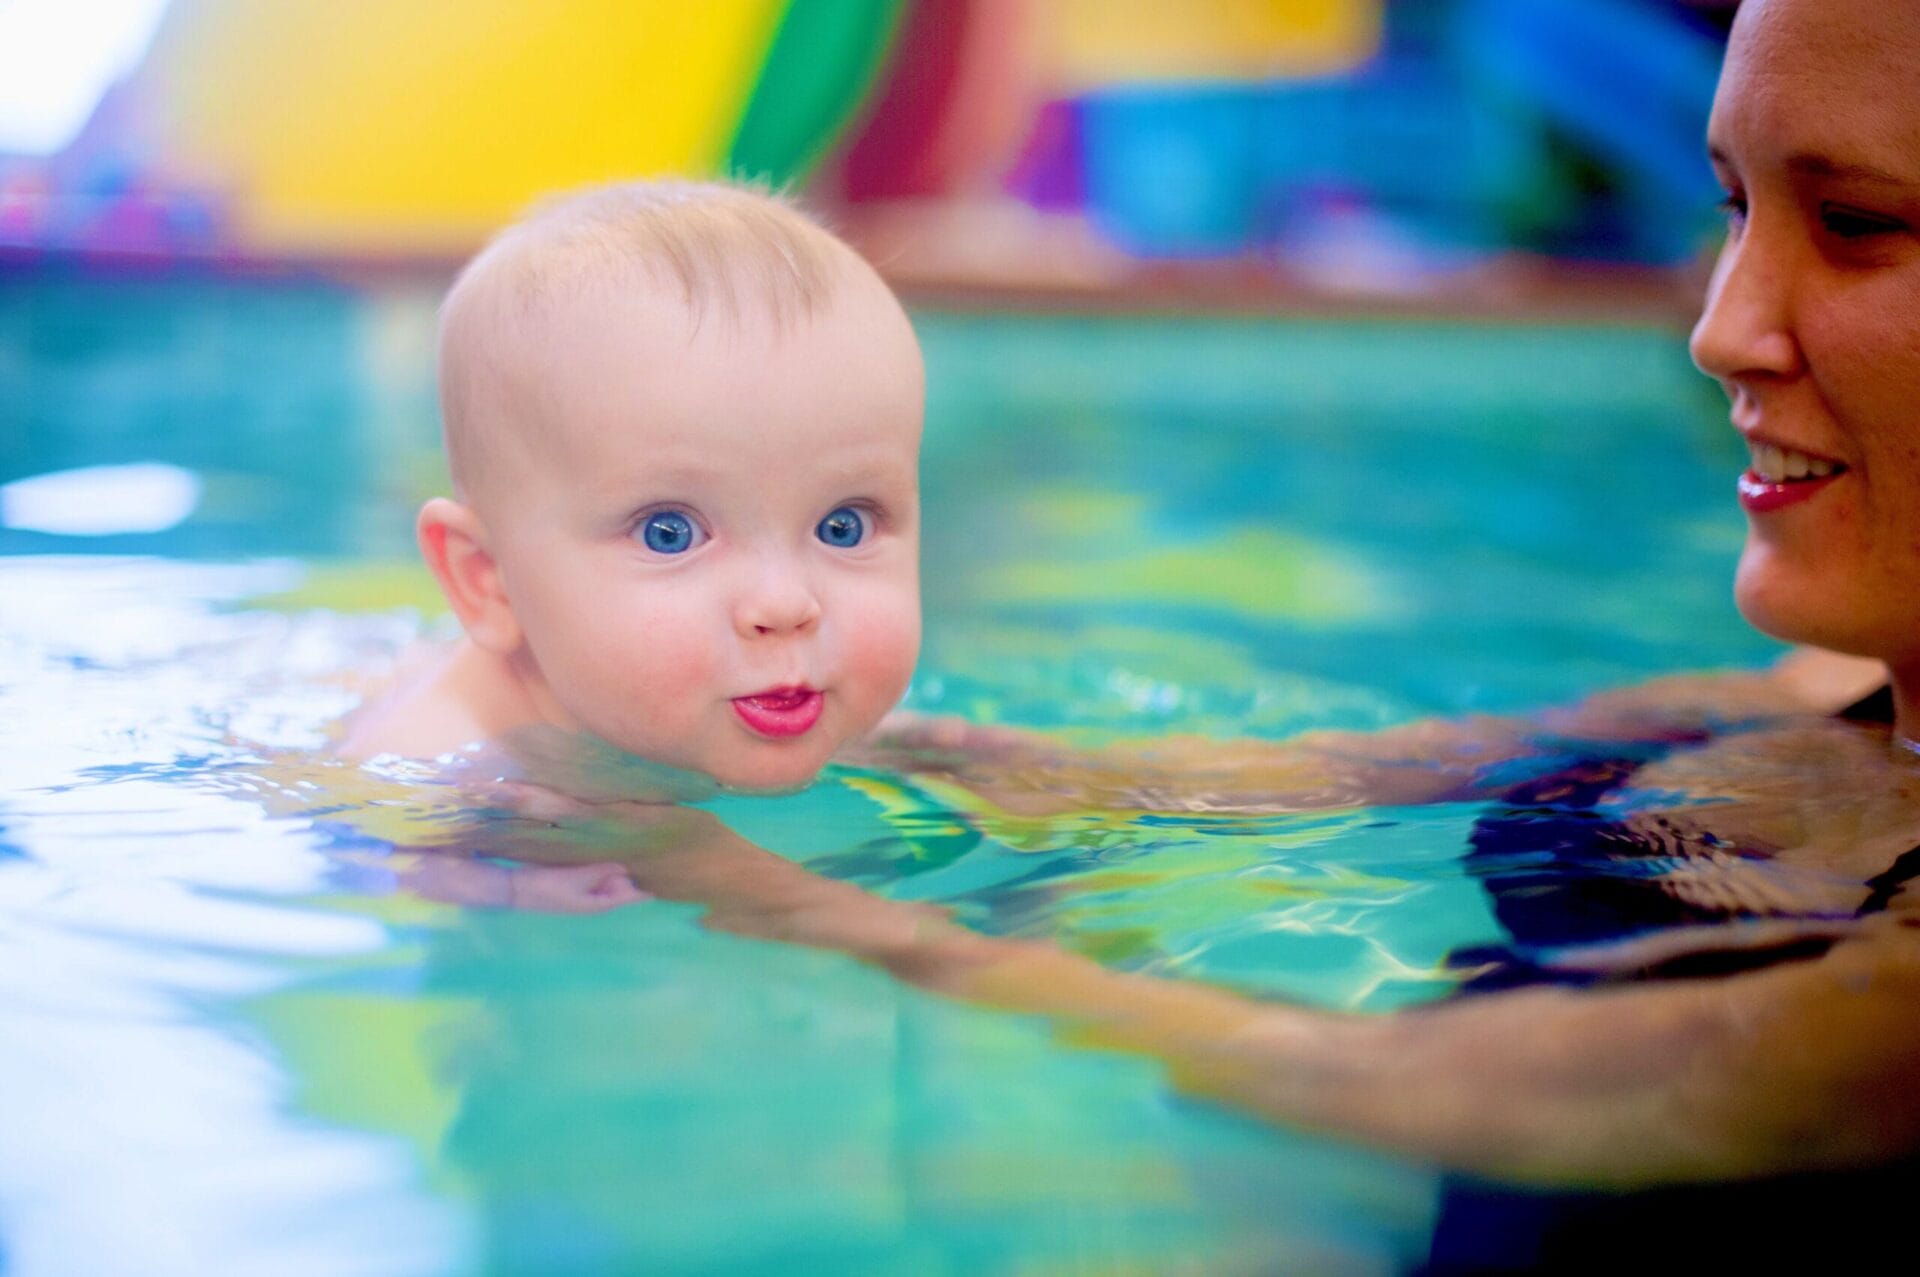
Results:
<point x="227" y="1036"/>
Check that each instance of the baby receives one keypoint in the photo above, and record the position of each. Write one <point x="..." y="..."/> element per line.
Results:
<point x="683" y="424"/>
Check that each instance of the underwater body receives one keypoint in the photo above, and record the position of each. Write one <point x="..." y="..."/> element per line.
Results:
<point x="230" y="1035"/>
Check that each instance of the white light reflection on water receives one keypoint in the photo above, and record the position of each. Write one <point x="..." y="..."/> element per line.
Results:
<point x="148" y="1128"/>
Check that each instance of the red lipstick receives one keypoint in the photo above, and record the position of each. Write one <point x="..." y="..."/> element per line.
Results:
<point x="780" y="712"/>
<point x="1764" y="496"/>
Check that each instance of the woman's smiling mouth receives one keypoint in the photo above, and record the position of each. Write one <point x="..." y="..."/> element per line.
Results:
<point x="1779" y="477"/>
<point x="781" y="711"/>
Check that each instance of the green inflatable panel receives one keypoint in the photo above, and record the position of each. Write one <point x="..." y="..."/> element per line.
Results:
<point x="826" y="56"/>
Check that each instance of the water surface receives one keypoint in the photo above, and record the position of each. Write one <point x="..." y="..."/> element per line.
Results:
<point x="232" y="1047"/>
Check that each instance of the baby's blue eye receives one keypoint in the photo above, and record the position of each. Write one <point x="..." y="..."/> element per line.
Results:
<point x="670" y="532"/>
<point x="843" y="529"/>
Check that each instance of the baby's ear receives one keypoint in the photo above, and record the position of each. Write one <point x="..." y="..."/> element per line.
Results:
<point x="453" y="541"/>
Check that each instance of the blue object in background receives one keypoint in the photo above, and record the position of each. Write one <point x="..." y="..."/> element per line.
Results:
<point x="1211" y="171"/>
<point x="1173" y="171"/>
<point x="1403" y="137"/>
<point x="1574" y="128"/>
<point x="1628" y="83"/>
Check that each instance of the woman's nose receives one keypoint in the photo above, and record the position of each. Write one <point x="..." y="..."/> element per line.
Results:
<point x="776" y="599"/>
<point x="1746" y="327"/>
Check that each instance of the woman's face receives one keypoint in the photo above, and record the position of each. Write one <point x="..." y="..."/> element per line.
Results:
<point x="1812" y="321"/>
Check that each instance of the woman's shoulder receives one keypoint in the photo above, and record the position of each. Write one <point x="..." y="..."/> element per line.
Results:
<point x="1805" y="682"/>
<point x="1833" y="683"/>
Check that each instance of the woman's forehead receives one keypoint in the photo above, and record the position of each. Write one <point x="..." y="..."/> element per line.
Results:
<point x="1833" y="83"/>
<point x="1847" y="48"/>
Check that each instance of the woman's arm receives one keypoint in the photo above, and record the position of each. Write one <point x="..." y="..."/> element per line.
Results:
<point x="1027" y="774"/>
<point x="1807" y="1066"/>
<point x="1803" y="1066"/>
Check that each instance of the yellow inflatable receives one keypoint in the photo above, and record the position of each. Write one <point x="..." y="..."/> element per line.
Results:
<point x="408" y="126"/>
<point x="1094" y="43"/>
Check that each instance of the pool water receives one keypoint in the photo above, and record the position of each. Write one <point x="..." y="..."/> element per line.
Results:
<point x="232" y="1047"/>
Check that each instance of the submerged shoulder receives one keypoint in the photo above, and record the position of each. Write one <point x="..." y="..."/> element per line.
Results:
<point x="444" y="701"/>
<point x="1827" y="682"/>
<point x="1805" y="683"/>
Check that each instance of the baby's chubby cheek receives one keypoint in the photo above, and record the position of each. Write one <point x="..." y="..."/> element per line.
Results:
<point x="880" y="655"/>
<point x="675" y="685"/>
<point x="634" y="692"/>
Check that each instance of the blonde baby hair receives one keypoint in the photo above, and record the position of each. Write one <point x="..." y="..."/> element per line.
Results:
<point x="714" y="246"/>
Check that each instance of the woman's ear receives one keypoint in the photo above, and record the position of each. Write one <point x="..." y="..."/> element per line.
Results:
<point x="453" y="541"/>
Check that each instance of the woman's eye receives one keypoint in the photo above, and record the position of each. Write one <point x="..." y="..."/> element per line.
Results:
<point x="1734" y="208"/>
<point x="669" y="532"/>
<point x="843" y="529"/>
<point x="1853" y="223"/>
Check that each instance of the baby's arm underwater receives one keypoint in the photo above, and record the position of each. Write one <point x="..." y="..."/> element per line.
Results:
<point x="491" y="884"/>
<point x="686" y="854"/>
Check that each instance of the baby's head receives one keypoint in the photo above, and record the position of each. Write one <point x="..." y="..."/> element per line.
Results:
<point x="683" y="423"/>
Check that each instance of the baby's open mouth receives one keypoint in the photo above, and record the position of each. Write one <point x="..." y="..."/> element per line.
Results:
<point x="780" y="711"/>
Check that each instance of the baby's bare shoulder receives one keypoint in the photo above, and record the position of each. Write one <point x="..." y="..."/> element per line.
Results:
<point x="436" y="702"/>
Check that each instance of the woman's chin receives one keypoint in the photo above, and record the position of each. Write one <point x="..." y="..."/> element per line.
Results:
<point x="1798" y="604"/>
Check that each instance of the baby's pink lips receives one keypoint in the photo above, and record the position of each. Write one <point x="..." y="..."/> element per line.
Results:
<point x="780" y="712"/>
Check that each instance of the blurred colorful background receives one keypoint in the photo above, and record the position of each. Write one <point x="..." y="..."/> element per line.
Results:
<point x="1326" y="145"/>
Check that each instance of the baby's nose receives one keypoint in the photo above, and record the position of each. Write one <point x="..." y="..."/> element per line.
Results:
<point x="776" y="601"/>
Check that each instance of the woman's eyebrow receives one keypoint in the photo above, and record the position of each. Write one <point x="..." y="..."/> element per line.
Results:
<point x="1814" y="164"/>
<point x="1810" y="164"/>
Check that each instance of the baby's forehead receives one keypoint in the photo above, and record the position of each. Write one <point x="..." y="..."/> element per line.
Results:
<point x="544" y="318"/>
<point x="711" y="248"/>
<point x="563" y="308"/>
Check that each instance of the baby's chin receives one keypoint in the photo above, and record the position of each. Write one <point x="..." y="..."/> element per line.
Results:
<point x="767" y="776"/>
<point x="587" y="765"/>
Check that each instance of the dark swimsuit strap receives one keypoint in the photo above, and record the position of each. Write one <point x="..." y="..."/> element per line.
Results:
<point x="1883" y="887"/>
<point x="1875" y="707"/>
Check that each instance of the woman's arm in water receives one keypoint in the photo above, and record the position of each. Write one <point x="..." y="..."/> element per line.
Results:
<point x="1028" y="774"/>
<point x="1806" y="1066"/>
<point x="1802" y="1066"/>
